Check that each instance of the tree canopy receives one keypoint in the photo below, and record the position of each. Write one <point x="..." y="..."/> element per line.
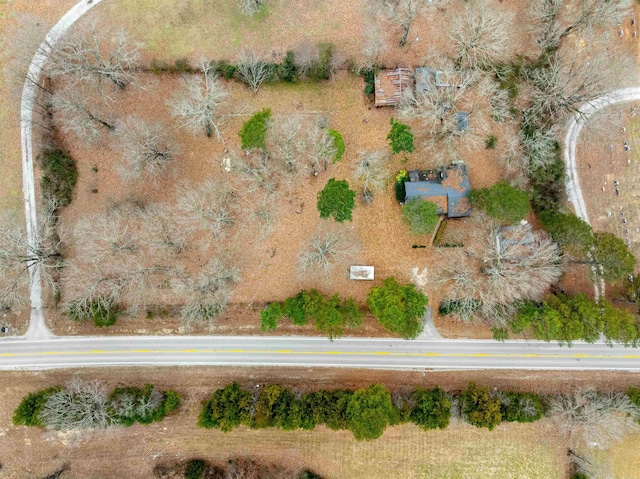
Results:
<point x="432" y="409"/>
<point x="420" y="215"/>
<point x="502" y="202"/>
<point x="400" y="137"/>
<point x="614" y="256"/>
<point x="336" y="200"/>
<point x="571" y="233"/>
<point x="369" y="412"/>
<point x="398" y="308"/>
<point x="479" y="408"/>
<point x="254" y="130"/>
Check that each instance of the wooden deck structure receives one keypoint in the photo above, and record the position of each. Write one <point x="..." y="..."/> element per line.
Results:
<point x="391" y="84"/>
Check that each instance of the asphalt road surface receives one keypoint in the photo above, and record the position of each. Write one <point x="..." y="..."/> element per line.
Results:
<point x="312" y="352"/>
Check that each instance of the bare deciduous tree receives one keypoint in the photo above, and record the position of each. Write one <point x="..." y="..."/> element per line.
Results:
<point x="306" y="55"/>
<point x="19" y="258"/>
<point x="497" y="270"/>
<point x="326" y="252"/>
<point x="251" y="7"/>
<point x="371" y="171"/>
<point x="197" y="105"/>
<point x="160" y="225"/>
<point x="208" y="293"/>
<point x="92" y="55"/>
<point x="565" y="84"/>
<point x="75" y="113"/>
<point x="322" y="149"/>
<point x="115" y="264"/>
<point x="209" y="207"/>
<point x="480" y="35"/>
<point x="375" y="44"/>
<point x="553" y="20"/>
<point x="80" y="405"/>
<point x="400" y="12"/>
<point x="287" y="142"/>
<point x="147" y="150"/>
<point x="598" y="419"/>
<point x="260" y="171"/>
<point x="252" y="70"/>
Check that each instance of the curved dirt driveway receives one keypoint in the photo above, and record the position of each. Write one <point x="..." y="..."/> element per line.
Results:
<point x="37" y="326"/>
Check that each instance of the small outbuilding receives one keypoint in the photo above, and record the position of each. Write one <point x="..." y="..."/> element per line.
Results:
<point x="390" y="85"/>
<point x="361" y="273"/>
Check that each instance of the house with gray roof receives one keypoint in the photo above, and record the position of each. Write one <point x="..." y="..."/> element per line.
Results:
<point x="447" y="187"/>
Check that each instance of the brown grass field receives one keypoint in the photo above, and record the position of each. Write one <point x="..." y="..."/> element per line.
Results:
<point x="536" y="451"/>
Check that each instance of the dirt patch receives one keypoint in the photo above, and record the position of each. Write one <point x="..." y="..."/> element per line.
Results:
<point x="403" y="452"/>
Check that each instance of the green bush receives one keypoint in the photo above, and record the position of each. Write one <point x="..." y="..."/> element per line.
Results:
<point x="479" y="408"/>
<point x="547" y="186"/>
<point x="338" y="143"/>
<point x="613" y="256"/>
<point x="195" y="469"/>
<point x="572" y="318"/>
<point x="59" y="176"/>
<point x="329" y="407"/>
<point x="228" y="408"/>
<point x="521" y="407"/>
<point x="254" y="130"/>
<point x="309" y="475"/>
<point x="490" y="142"/>
<point x="398" y="308"/>
<point x="327" y="313"/>
<point x="159" y="66"/>
<point x="28" y="411"/>
<point x="571" y="233"/>
<point x="401" y="177"/>
<point x="287" y="71"/>
<point x="171" y="401"/>
<point x="369" y="412"/>
<point x="224" y="69"/>
<point x="336" y="200"/>
<point x="321" y="70"/>
<point x="270" y="316"/>
<point x="421" y="216"/>
<point x="400" y="137"/>
<point x="369" y="75"/>
<point x="502" y="202"/>
<point x="432" y="409"/>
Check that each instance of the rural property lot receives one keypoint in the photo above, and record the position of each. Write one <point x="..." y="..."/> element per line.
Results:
<point x="536" y="451"/>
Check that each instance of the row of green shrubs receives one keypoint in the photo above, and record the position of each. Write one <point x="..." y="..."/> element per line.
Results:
<point x="399" y="309"/>
<point x="28" y="411"/>
<point x="366" y="412"/>
<point x="329" y="314"/>
<point x="288" y="70"/>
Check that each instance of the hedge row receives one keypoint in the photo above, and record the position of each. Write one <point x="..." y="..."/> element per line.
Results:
<point x="28" y="412"/>
<point x="365" y="412"/>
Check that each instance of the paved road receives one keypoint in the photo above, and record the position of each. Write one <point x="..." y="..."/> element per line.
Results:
<point x="311" y="352"/>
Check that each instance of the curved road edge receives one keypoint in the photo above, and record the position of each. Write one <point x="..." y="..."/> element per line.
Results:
<point x="576" y="123"/>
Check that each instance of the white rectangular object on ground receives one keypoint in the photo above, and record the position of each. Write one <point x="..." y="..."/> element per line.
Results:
<point x="361" y="273"/>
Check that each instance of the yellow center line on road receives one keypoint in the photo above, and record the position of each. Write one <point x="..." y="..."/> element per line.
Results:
<point x="308" y="353"/>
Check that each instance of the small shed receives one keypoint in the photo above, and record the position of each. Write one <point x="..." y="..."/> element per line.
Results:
<point x="462" y="121"/>
<point x="361" y="273"/>
<point x="390" y="85"/>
